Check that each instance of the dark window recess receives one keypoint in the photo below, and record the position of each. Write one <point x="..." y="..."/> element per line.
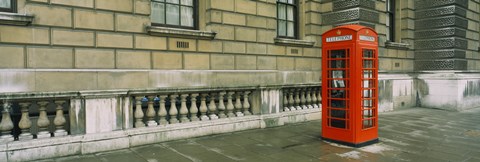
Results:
<point x="183" y="44"/>
<point x="390" y="20"/>
<point x="287" y="18"/>
<point x="175" y="13"/>
<point x="8" y="5"/>
<point x="294" y="51"/>
<point x="397" y="64"/>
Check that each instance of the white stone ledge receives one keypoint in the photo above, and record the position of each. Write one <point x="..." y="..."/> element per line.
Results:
<point x="15" y="19"/>
<point x="396" y="45"/>
<point x="294" y="42"/>
<point x="180" y="33"/>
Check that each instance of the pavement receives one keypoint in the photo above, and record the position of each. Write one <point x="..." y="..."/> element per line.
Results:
<point x="416" y="134"/>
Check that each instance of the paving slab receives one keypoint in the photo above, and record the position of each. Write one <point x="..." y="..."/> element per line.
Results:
<point x="416" y="134"/>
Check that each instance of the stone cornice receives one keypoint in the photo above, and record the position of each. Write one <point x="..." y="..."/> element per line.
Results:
<point x="180" y="33"/>
<point x="15" y="19"/>
<point x="294" y="42"/>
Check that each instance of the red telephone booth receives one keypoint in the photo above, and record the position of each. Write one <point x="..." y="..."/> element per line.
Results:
<point x="349" y="85"/>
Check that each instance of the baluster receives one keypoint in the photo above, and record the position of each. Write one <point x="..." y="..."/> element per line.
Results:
<point x="238" y="104"/>
<point x="246" y="103"/>
<point x="221" y="105"/>
<point x="42" y="121"/>
<point x="309" y="98"/>
<point x="183" y="109"/>
<point x="303" y="100"/>
<point x="230" y="107"/>
<point x="59" y="120"/>
<point x="285" y="100"/>
<point x="25" y="124"/>
<point x="6" y="125"/>
<point x="319" y="98"/>
<point x="193" y="107"/>
<point x="291" y="100"/>
<point x="150" y="112"/>
<point x="203" y="107"/>
<point x="314" y="98"/>
<point x="212" y="107"/>
<point x="138" y="112"/>
<point x="173" y="109"/>
<point x="162" y="111"/>
<point x="297" y="99"/>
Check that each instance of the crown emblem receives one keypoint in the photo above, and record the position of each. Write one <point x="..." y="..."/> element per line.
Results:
<point x="339" y="32"/>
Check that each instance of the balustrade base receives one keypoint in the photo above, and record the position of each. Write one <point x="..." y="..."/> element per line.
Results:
<point x="44" y="135"/>
<point x="151" y="124"/>
<point x="6" y="138"/>
<point x="25" y="136"/>
<point x="239" y="114"/>
<point x="60" y="133"/>
<point x="204" y="118"/>
<point x="174" y="121"/>
<point x="213" y="117"/>
<point x="222" y="115"/>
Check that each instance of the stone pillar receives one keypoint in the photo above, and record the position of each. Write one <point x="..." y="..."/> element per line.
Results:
<point x="230" y="107"/>
<point x="43" y="121"/>
<point x="314" y="98"/>
<point x="297" y="99"/>
<point x="309" y="98"/>
<point x="138" y="112"/>
<point x="319" y="98"/>
<point x="183" y="109"/>
<point x="303" y="100"/>
<point x="246" y="103"/>
<point x="6" y="125"/>
<point x="291" y="100"/>
<point x="193" y="107"/>
<point x="212" y="108"/>
<point x="203" y="107"/>
<point x="221" y="105"/>
<point x="25" y="124"/>
<point x="162" y="111"/>
<point x="238" y="104"/>
<point x="173" y="109"/>
<point x="151" y="112"/>
<point x="59" y="120"/>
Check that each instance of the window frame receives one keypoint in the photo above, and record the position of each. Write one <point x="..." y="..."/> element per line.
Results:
<point x="195" y="16"/>
<point x="12" y="9"/>
<point x="390" y="10"/>
<point x="295" y="19"/>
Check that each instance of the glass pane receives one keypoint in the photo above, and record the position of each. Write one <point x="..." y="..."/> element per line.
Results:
<point x="158" y="0"/>
<point x="367" y="123"/>
<point x="282" y="25"/>
<point x="173" y="16"/>
<point x="282" y="0"/>
<point x="337" y="74"/>
<point x="338" y="94"/>
<point x="337" y="64"/>
<point x="291" y="1"/>
<point x="187" y="2"/>
<point x="187" y="16"/>
<point x="367" y="73"/>
<point x="338" y="103"/>
<point x="338" y="84"/>
<point x="337" y="54"/>
<point x="337" y="123"/>
<point x="367" y="63"/>
<point x="337" y="113"/>
<point x="5" y="4"/>
<point x="368" y="53"/>
<point x="282" y="11"/>
<point x="158" y="13"/>
<point x="290" y="31"/>
<point x="367" y="93"/>
<point x="172" y="1"/>
<point x="367" y="103"/>
<point x="290" y="14"/>
<point x="368" y="113"/>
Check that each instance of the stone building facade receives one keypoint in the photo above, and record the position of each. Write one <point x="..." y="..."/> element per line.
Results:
<point x="83" y="76"/>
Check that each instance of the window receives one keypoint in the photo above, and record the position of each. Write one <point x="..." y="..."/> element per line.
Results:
<point x="390" y="20"/>
<point x="174" y="13"/>
<point x="287" y="18"/>
<point x="7" y="5"/>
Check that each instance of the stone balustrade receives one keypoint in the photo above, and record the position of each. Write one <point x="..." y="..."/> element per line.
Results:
<point x="33" y="119"/>
<point x="301" y="98"/>
<point x="182" y="107"/>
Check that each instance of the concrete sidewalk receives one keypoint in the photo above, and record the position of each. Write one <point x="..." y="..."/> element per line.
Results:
<point x="415" y="134"/>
